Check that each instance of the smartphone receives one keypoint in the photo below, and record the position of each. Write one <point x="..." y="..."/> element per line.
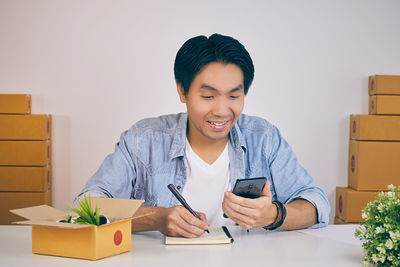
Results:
<point x="249" y="188"/>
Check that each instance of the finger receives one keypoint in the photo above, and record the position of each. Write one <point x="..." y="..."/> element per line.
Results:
<point x="182" y="222"/>
<point x="183" y="232"/>
<point x="242" y="201"/>
<point x="192" y="224"/>
<point x="246" y="211"/>
<point x="203" y="217"/>
<point x="241" y="219"/>
<point x="267" y="190"/>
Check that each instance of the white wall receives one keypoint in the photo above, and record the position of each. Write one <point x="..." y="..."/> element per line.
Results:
<point x="99" y="66"/>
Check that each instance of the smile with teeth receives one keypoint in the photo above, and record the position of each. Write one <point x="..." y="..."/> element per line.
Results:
<point x="218" y="125"/>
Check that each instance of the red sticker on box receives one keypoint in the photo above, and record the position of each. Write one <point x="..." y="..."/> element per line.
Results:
<point x="353" y="163"/>
<point x="354" y="126"/>
<point x="117" y="237"/>
<point x="340" y="204"/>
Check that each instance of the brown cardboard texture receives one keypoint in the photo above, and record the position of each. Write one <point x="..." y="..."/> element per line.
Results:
<point x="349" y="203"/>
<point x="373" y="166"/>
<point x="384" y="105"/>
<point x="82" y="241"/>
<point x="17" y="200"/>
<point x="25" y="153"/>
<point x="375" y="127"/>
<point x="15" y="104"/>
<point x="25" y="127"/>
<point x="25" y="178"/>
<point x="384" y="85"/>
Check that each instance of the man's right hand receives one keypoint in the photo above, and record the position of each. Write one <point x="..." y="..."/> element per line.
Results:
<point x="178" y="221"/>
<point x="174" y="221"/>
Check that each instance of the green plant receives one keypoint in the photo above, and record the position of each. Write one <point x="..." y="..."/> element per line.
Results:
<point x="380" y="232"/>
<point x="86" y="213"/>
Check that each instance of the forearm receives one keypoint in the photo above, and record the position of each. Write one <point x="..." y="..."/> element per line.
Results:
<point x="299" y="214"/>
<point x="148" y="222"/>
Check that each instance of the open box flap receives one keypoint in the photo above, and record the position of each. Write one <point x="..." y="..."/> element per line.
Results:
<point x="55" y="224"/>
<point x="40" y="213"/>
<point x="116" y="208"/>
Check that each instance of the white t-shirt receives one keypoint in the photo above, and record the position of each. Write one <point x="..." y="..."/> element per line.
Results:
<point x="205" y="185"/>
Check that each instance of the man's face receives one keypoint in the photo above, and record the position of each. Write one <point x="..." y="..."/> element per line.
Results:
<point x="214" y="102"/>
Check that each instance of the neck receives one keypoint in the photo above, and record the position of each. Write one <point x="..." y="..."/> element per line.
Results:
<point x="207" y="149"/>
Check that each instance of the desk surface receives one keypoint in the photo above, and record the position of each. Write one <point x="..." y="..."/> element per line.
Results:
<point x="334" y="245"/>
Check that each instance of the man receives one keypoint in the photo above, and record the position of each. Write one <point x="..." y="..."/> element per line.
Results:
<point x="204" y="151"/>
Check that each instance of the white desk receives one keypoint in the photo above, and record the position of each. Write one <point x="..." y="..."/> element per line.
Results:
<point x="334" y="245"/>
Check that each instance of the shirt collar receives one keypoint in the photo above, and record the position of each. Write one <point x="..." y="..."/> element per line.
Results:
<point x="236" y="138"/>
<point x="178" y="143"/>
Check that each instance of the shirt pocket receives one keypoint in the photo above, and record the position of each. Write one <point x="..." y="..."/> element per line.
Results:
<point x="158" y="187"/>
<point x="139" y="192"/>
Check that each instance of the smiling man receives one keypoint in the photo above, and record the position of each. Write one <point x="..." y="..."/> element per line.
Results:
<point x="205" y="150"/>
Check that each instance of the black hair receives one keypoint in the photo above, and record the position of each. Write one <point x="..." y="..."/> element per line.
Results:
<point x="200" y="51"/>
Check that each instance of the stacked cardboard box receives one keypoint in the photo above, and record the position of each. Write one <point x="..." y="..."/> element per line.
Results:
<point x="25" y="156"/>
<point x="374" y="149"/>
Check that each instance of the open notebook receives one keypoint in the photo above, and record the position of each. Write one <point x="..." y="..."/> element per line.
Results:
<point x="218" y="235"/>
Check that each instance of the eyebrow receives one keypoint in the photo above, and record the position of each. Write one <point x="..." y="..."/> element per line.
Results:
<point x="209" y="87"/>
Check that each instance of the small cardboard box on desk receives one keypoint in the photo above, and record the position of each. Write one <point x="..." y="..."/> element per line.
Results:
<point x="82" y="240"/>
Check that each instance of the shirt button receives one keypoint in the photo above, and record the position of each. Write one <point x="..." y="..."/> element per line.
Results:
<point x="178" y="187"/>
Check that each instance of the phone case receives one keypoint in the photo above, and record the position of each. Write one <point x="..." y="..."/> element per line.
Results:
<point x="249" y="188"/>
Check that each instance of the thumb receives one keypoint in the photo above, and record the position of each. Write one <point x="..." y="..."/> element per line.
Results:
<point x="267" y="190"/>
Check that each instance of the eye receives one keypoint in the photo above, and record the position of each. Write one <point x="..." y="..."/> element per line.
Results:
<point x="207" y="96"/>
<point x="234" y="96"/>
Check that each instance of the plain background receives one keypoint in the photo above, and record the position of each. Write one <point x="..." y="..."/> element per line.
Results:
<point x="100" y="66"/>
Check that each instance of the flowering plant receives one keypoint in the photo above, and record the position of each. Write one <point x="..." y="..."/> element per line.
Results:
<point x="380" y="232"/>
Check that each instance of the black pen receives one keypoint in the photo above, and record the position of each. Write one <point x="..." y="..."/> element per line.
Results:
<point x="180" y="198"/>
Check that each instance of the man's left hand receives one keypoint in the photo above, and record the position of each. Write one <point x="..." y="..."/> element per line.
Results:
<point x="250" y="213"/>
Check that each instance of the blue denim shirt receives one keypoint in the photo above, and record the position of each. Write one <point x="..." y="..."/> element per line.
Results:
<point x="150" y="155"/>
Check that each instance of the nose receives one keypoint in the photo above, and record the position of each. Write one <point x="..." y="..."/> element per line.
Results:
<point x="221" y="108"/>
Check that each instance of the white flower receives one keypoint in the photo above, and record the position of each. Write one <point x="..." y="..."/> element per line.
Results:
<point x="381" y="207"/>
<point x="390" y="194"/>
<point x="389" y="244"/>
<point x="375" y="258"/>
<point x="378" y="257"/>
<point x="391" y="187"/>
<point x="382" y="258"/>
<point x="364" y="215"/>
<point x="381" y="249"/>
<point x="394" y="235"/>
<point x="379" y="230"/>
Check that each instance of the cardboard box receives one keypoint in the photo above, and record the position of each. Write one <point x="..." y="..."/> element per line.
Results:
<point x="384" y="85"/>
<point x="78" y="240"/>
<point x="25" y="127"/>
<point x="375" y="127"/>
<point x="25" y="153"/>
<point x="15" y="104"/>
<point x="16" y="200"/>
<point x="32" y="179"/>
<point x="349" y="203"/>
<point x="384" y="105"/>
<point x="373" y="165"/>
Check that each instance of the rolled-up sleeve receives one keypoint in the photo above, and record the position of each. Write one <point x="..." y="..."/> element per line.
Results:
<point x="116" y="175"/>
<point x="291" y="181"/>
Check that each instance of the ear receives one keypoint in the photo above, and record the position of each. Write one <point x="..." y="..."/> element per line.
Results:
<point x="181" y="93"/>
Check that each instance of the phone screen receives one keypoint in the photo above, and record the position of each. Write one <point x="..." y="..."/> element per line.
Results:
<point x="249" y="188"/>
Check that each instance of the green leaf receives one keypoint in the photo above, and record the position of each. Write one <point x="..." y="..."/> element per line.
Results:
<point x="86" y="213"/>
